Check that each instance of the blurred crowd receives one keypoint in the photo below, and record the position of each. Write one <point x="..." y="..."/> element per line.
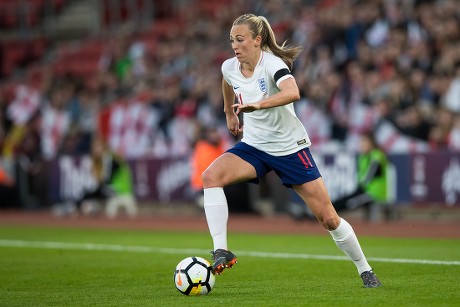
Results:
<point x="391" y="67"/>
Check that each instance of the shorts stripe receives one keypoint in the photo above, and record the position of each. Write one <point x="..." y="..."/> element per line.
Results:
<point x="306" y="156"/>
<point x="303" y="161"/>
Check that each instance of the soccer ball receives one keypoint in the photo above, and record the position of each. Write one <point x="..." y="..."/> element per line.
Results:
<point x="193" y="276"/>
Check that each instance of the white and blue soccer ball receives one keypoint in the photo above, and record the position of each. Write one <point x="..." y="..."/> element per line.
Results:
<point x="193" y="276"/>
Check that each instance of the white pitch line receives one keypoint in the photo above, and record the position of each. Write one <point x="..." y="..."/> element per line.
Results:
<point x="191" y="251"/>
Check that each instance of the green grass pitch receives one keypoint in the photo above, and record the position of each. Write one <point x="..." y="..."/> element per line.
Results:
<point x="46" y="266"/>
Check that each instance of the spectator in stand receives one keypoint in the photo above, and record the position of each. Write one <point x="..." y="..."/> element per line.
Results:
<point x="312" y="112"/>
<point x="413" y="123"/>
<point x="454" y="135"/>
<point x="55" y="120"/>
<point x="420" y="91"/>
<point x="87" y="121"/>
<point x="440" y="133"/>
<point x="209" y="107"/>
<point x="30" y="166"/>
<point x="451" y="100"/>
<point x="118" y="60"/>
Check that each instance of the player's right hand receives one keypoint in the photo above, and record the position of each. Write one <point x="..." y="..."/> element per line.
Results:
<point x="233" y="124"/>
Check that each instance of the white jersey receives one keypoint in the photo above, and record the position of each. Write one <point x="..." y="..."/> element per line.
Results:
<point x="276" y="131"/>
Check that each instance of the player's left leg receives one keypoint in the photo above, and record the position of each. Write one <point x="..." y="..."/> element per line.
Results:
<point x="226" y="169"/>
<point x="315" y="195"/>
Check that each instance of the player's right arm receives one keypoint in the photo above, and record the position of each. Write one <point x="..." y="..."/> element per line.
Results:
<point x="233" y="123"/>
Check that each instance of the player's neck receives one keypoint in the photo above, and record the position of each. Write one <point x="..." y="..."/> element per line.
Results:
<point x="247" y="68"/>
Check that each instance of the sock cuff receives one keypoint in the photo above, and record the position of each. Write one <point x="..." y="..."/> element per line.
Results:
<point x="214" y="197"/>
<point x="342" y="232"/>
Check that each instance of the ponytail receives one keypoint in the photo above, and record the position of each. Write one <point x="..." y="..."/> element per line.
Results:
<point x="259" y="25"/>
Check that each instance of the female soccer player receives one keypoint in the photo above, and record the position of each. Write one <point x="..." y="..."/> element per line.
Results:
<point x="259" y="78"/>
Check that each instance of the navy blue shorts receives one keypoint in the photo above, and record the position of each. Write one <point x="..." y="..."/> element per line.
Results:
<point x="293" y="169"/>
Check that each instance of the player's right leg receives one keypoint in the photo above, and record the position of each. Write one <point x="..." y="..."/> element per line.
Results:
<point x="315" y="194"/>
<point x="225" y="170"/>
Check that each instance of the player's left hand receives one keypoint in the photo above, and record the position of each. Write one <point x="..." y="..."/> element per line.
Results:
<point x="246" y="108"/>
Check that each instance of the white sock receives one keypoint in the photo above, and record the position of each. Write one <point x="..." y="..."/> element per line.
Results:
<point x="216" y="210"/>
<point x="346" y="240"/>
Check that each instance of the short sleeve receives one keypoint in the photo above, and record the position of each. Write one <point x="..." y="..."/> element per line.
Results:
<point x="278" y="70"/>
<point x="225" y="68"/>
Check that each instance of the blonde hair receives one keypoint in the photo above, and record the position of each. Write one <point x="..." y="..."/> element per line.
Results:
<point x="259" y="25"/>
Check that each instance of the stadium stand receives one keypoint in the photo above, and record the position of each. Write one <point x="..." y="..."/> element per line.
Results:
<point x="392" y="67"/>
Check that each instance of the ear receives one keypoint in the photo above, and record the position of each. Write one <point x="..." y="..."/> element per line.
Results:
<point x="258" y="40"/>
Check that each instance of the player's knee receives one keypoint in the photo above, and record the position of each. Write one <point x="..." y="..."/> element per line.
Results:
<point x="330" y="222"/>
<point x="209" y="178"/>
<point x="205" y="178"/>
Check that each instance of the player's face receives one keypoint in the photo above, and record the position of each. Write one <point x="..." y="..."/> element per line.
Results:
<point x="243" y="44"/>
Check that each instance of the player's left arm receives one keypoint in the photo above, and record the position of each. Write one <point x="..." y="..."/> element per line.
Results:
<point x="289" y="92"/>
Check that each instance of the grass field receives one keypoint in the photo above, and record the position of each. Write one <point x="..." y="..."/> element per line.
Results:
<point x="46" y="266"/>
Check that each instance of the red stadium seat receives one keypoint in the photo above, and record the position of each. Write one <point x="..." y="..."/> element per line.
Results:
<point x="9" y="15"/>
<point x="33" y="13"/>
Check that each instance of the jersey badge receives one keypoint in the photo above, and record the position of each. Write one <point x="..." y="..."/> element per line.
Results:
<point x="262" y="85"/>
